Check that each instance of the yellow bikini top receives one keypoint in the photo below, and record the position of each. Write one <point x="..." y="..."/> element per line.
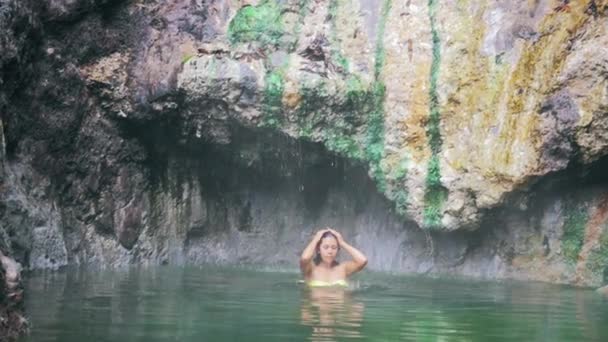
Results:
<point x="321" y="283"/>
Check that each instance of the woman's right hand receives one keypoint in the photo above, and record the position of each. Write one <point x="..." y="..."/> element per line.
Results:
<point x="319" y="234"/>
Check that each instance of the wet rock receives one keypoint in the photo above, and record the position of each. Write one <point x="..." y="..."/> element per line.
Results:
<point x="69" y="10"/>
<point x="19" y="25"/>
<point x="559" y="115"/>
<point x="2" y="153"/>
<point x="48" y="248"/>
<point x="12" y="322"/>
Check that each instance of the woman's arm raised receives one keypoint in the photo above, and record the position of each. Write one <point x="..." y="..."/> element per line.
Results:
<point x="309" y="253"/>
<point x="359" y="259"/>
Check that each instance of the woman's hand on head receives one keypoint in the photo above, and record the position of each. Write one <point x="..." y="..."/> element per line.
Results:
<point x="338" y="235"/>
<point x="319" y="234"/>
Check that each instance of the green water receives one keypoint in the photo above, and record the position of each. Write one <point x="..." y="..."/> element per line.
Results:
<point x="225" y="304"/>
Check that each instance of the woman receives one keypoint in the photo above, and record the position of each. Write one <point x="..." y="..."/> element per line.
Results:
<point x="324" y="270"/>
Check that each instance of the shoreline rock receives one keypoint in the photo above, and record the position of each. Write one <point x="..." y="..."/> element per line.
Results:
<point x="12" y="322"/>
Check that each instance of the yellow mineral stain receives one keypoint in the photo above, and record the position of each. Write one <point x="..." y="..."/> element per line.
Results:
<point x="467" y="113"/>
<point x="414" y="124"/>
<point x="407" y="43"/>
<point x="291" y="99"/>
<point x="593" y="102"/>
<point x="532" y="79"/>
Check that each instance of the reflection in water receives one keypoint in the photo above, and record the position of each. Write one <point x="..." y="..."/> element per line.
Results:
<point x="587" y="324"/>
<point x="332" y="313"/>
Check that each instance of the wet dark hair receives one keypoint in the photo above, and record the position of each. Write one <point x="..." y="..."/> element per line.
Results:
<point x="317" y="258"/>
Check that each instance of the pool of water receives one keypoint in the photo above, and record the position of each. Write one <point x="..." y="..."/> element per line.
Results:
<point x="230" y="304"/>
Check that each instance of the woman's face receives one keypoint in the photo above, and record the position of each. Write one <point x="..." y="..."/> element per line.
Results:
<point x="328" y="249"/>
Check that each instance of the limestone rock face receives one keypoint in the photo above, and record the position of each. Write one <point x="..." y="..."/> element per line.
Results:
<point x="173" y="131"/>
<point x="459" y="104"/>
<point x="451" y="106"/>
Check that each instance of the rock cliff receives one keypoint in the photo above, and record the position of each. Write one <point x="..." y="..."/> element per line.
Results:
<point x="461" y="137"/>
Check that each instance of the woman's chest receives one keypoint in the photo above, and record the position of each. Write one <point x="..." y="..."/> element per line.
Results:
<point x="324" y="274"/>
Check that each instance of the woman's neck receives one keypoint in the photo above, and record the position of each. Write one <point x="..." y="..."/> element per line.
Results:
<point x="327" y="265"/>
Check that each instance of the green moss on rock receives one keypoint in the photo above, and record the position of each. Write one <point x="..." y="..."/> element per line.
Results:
<point x="262" y="23"/>
<point x="374" y="147"/>
<point x="272" y="99"/>
<point x="435" y="194"/>
<point x="598" y="259"/>
<point x="313" y="97"/>
<point x="575" y="220"/>
<point x="398" y="193"/>
<point x="359" y="100"/>
<point x="311" y="109"/>
<point x="374" y="144"/>
<point x="343" y="144"/>
<point x="338" y="133"/>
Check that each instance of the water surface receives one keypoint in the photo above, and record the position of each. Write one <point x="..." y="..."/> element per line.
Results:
<point x="230" y="304"/>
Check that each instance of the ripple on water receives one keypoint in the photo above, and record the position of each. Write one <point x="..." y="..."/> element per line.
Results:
<point x="226" y="304"/>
